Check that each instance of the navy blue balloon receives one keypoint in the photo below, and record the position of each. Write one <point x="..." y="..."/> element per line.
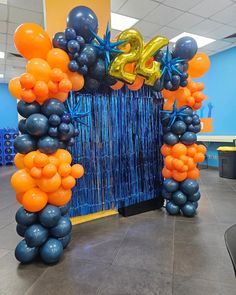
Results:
<point x="196" y="121"/>
<point x="70" y="34"/>
<point x="24" y="217"/>
<point x="170" y="138"/>
<point x="159" y="55"/>
<point x="165" y="119"/>
<point x="64" y="209"/>
<point x="61" y="145"/>
<point x="175" y="80"/>
<point x="189" y="209"/>
<point x="184" y="83"/>
<point x="88" y="54"/>
<point x="25" y="143"/>
<point x="71" y="141"/>
<point x="64" y="128"/>
<point x="37" y="125"/>
<point x="81" y="40"/>
<point x="195" y="197"/>
<point x="83" y="70"/>
<point x="66" y="118"/>
<point x="179" y="127"/>
<point x="50" y="216"/>
<point x="73" y="66"/>
<point x="62" y="228"/>
<point x="24" y="253"/>
<point x="98" y="70"/>
<point x="91" y="85"/>
<point x="65" y="240"/>
<point x="26" y="109"/>
<point x="51" y="251"/>
<point x="36" y="235"/>
<point x="158" y="85"/>
<point x="73" y="46"/>
<point x="54" y="120"/>
<point x="188" y="138"/>
<point x="179" y="198"/>
<point x="48" y="144"/>
<point x="185" y="47"/>
<point x="82" y="19"/>
<point x="109" y="80"/>
<point x="21" y="126"/>
<point x="170" y="185"/>
<point x="53" y="106"/>
<point x="188" y="120"/>
<point x="195" y="204"/>
<point x="20" y="229"/>
<point x="188" y="111"/>
<point x="59" y="41"/>
<point x="67" y="136"/>
<point x="189" y="186"/>
<point x="184" y="76"/>
<point x="168" y="85"/>
<point x="172" y="209"/>
<point x="165" y="194"/>
<point x="53" y="132"/>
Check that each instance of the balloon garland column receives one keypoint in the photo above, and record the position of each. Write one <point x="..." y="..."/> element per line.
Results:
<point x="45" y="177"/>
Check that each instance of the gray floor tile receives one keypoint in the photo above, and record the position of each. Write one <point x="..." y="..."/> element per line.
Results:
<point x="131" y="281"/>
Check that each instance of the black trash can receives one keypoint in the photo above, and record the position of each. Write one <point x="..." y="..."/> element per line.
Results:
<point x="227" y="161"/>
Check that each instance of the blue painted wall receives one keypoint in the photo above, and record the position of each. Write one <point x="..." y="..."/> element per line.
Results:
<point x="8" y="111"/>
<point x="220" y="87"/>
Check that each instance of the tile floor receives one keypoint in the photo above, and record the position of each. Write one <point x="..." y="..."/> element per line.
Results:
<point x="147" y="254"/>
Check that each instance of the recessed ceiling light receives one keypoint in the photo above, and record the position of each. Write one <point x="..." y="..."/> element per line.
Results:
<point x="3" y="2"/>
<point x="1" y="76"/>
<point x="121" y="22"/>
<point x="2" y="54"/>
<point x="201" y="41"/>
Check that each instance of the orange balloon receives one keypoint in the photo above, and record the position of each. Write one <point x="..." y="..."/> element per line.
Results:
<point x="197" y="106"/>
<point x="56" y="75"/>
<point x="194" y="174"/>
<point x="201" y="148"/>
<point x="77" y="171"/>
<point x="170" y="95"/>
<point x="62" y="96"/>
<point x="118" y="85"/>
<point x="166" y="173"/>
<point x="34" y="200"/>
<point x="182" y="93"/>
<point x="198" y="96"/>
<point x="168" y="162"/>
<point x="199" y="65"/>
<point x="64" y="169"/>
<point x="168" y="106"/>
<point x="41" y="89"/>
<point x="191" y="151"/>
<point x="36" y="172"/>
<point x="179" y="176"/>
<point x="19" y="161"/>
<point x="58" y="58"/>
<point x="184" y="168"/>
<point x="49" y="170"/>
<point x="177" y="164"/>
<point x="49" y="185"/>
<point x="166" y="150"/>
<point x="192" y="86"/>
<point x="40" y="160"/>
<point x="65" y="85"/>
<point x="39" y="68"/>
<point x="60" y="197"/>
<point x="178" y="149"/>
<point x="184" y="159"/>
<point x="53" y="160"/>
<point x="53" y="87"/>
<point x="19" y="197"/>
<point x="28" y="95"/>
<point x="29" y="159"/>
<point x="191" y="164"/>
<point x="190" y="101"/>
<point x="68" y="182"/>
<point x="138" y="83"/>
<point x="32" y="41"/>
<point x="77" y="81"/>
<point x="27" y="81"/>
<point x="21" y="181"/>
<point x="63" y="156"/>
<point x="14" y="87"/>
<point x="198" y="157"/>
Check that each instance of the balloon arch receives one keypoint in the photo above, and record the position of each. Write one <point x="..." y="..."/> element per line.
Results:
<point x="79" y="60"/>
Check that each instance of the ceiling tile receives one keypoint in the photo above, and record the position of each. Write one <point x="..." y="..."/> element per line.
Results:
<point x="205" y="27"/>
<point x="114" y="33"/>
<point x="3" y="38"/>
<point x="146" y="28"/>
<point x="184" y="5"/>
<point x="11" y="27"/>
<point x="207" y="8"/>
<point x="3" y="46"/>
<point x="3" y="27"/>
<point x="3" y="12"/>
<point x="2" y="68"/>
<point x="222" y="32"/>
<point x="137" y="9"/>
<point x="11" y="48"/>
<point x="217" y="45"/>
<point x="226" y="16"/>
<point x="116" y="4"/>
<point x="17" y="15"/>
<point x="34" y="5"/>
<point x="162" y="15"/>
<point x="185" y="22"/>
<point x="168" y="32"/>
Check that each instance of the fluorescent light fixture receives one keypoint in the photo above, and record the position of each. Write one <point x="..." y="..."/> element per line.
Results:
<point x="3" y="2"/>
<point x="2" y="54"/>
<point x="121" y="22"/>
<point x="201" y="41"/>
<point x="1" y="76"/>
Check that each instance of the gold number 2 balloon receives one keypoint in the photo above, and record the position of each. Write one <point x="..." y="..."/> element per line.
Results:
<point x="117" y="70"/>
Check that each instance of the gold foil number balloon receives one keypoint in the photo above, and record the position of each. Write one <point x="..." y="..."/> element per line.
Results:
<point x="117" y="70"/>
<point x="153" y="73"/>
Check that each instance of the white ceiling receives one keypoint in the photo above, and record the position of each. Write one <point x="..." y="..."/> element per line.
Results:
<point x="209" y="18"/>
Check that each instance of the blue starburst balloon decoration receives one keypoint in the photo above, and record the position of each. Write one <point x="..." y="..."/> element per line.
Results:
<point x="169" y="65"/>
<point x="106" y="46"/>
<point x="175" y="113"/>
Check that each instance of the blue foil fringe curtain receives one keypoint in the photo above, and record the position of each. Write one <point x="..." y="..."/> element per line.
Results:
<point x="119" y="149"/>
